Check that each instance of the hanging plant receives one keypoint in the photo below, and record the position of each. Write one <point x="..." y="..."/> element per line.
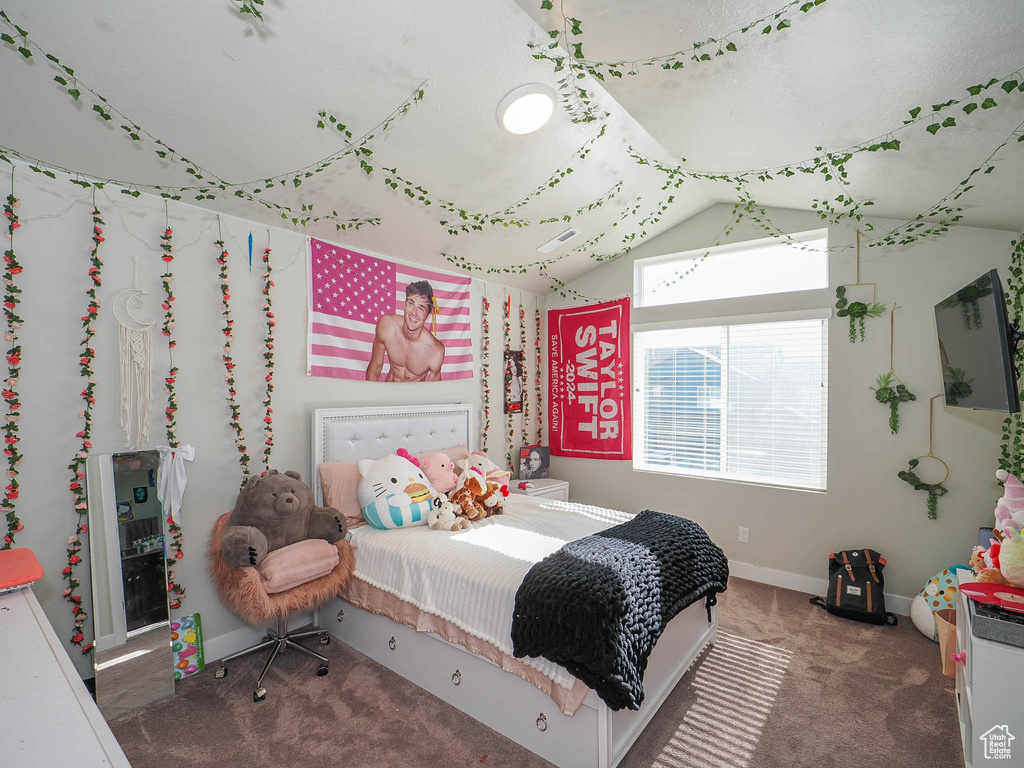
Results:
<point x="506" y="333"/>
<point x="888" y="394"/>
<point x="229" y="363"/>
<point x="856" y="311"/>
<point x="268" y="357"/>
<point x="934" y="490"/>
<point x="958" y="386"/>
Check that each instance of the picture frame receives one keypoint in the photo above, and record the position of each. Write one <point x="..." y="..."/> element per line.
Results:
<point x="534" y="462"/>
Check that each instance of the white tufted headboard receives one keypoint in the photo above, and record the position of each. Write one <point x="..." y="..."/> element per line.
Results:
<point x="350" y="434"/>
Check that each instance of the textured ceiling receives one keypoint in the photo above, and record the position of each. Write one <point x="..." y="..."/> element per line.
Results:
<point x="241" y="97"/>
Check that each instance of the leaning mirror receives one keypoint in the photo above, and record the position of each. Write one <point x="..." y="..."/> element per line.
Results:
<point x="133" y="659"/>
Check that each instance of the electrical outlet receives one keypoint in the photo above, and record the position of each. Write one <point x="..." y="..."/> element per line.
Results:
<point x="744" y="535"/>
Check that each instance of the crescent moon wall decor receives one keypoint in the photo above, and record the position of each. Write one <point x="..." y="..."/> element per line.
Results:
<point x="134" y="352"/>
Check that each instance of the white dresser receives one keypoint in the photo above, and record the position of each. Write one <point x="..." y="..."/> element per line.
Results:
<point x="545" y="487"/>
<point x="48" y="716"/>
<point x="990" y="691"/>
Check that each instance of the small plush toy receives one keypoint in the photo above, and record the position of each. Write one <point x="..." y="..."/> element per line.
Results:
<point x="272" y="511"/>
<point x="1011" y="558"/>
<point x="440" y="471"/>
<point x="471" y="487"/>
<point x="492" y="499"/>
<point x="1010" y="507"/>
<point x="394" y="493"/>
<point x="985" y="563"/>
<point x="492" y="472"/>
<point x="445" y="518"/>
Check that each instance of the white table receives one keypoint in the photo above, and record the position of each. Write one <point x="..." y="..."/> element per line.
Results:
<point x="545" y="487"/>
<point x="48" y="716"/>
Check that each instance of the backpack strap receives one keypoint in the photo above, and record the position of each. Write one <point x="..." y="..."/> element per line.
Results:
<point x="871" y="565"/>
<point x="849" y="568"/>
<point x="818" y="601"/>
<point x="891" y="619"/>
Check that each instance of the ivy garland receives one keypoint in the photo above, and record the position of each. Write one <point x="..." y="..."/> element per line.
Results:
<point x="229" y="363"/>
<point x="175" y="589"/>
<point x="12" y="268"/>
<point x="251" y="7"/>
<point x="1011" y="450"/>
<point x="77" y="465"/>
<point x="537" y="379"/>
<point x="485" y="354"/>
<point x="934" y="490"/>
<point x="577" y="101"/>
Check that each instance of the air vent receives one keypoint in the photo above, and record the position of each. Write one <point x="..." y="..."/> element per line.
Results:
<point x="554" y="242"/>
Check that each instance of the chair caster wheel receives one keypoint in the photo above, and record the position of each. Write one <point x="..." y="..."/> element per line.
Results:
<point x="325" y="639"/>
<point x="322" y="670"/>
<point x="259" y="694"/>
<point x="221" y="673"/>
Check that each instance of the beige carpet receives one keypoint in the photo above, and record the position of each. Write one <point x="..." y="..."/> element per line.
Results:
<point x="786" y="685"/>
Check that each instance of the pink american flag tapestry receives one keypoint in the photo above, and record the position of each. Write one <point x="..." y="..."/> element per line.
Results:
<point x="374" y="319"/>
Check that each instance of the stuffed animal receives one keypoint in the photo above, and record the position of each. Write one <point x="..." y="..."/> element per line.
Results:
<point x="492" y="499"/>
<point x="1010" y="507"/>
<point x="985" y="563"/>
<point x="272" y="511"/>
<point x="1011" y="558"/>
<point x="445" y="518"/>
<point x="492" y="472"/>
<point x="471" y="487"/>
<point x="394" y="493"/>
<point x="440" y="471"/>
<point x="938" y="593"/>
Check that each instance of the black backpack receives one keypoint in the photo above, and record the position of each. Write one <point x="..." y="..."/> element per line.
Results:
<point x="856" y="587"/>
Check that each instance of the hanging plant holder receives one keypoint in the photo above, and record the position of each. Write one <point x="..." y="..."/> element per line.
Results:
<point x="856" y="311"/>
<point x="934" y="490"/>
<point x="891" y="391"/>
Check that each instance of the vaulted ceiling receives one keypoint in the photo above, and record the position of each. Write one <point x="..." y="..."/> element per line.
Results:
<point x="240" y="99"/>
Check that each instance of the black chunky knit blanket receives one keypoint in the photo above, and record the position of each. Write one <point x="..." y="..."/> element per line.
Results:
<point x="598" y="604"/>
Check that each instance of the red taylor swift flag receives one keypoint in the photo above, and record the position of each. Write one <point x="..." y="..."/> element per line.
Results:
<point x="379" y="320"/>
<point x="589" y="408"/>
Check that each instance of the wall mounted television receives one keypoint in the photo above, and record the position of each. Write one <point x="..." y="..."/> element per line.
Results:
<point x="977" y="343"/>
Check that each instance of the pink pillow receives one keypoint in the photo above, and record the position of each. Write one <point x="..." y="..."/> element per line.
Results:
<point x="296" y="564"/>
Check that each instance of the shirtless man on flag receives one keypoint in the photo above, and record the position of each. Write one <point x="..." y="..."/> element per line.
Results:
<point x="413" y="352"/>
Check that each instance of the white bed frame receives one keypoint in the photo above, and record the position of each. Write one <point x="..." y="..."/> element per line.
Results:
<point x="596" y="736"/>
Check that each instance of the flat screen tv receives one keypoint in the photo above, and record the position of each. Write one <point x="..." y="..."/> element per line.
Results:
<point x="976" y="347"/>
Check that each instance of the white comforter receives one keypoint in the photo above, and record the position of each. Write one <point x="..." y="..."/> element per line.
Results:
<point x="470" y="577"/>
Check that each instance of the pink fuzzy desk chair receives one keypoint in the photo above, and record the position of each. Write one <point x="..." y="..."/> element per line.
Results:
<point x="261" y="594"/>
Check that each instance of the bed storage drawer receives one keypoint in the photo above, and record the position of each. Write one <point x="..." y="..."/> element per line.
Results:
<point x="498" y="699"/>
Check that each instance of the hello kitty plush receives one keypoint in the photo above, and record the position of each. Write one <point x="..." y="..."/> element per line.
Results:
<point x="492" y="472"/>
<point x="394" y="493"/>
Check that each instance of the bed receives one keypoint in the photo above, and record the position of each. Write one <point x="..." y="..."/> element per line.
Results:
<point x="531" y="701"/>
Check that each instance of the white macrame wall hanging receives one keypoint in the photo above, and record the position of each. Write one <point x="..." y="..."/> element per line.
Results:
<point x="134" y="352"/>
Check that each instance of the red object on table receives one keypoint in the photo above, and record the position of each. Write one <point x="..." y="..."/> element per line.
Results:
<point x="18" y="568"/>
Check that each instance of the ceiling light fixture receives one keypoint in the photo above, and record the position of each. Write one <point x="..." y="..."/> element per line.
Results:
<point x="526" y="109"/>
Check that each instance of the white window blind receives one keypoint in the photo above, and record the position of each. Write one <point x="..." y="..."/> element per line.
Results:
<point x="746" y="402"/>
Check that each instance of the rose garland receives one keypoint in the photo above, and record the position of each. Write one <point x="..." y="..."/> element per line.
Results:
<point x="268" y="356"/>
<point x="11" y="293"/>
<point x="77" y="465"/>
<point x="526" y="393"/>
<point x="506" y="333"/>
<point x="229" y="363"/>
<point x="176" y="590"/>
<point x="485" y="343"/>
<point x="537" y="374"/>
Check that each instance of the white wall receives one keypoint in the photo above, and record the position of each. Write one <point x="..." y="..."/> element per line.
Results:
<point x="52" y="244"/>
<point x="866" y="505"/>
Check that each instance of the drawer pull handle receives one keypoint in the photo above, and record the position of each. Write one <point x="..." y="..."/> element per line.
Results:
<point x="341" y="615"/>
<point x="392" y="643"/>
<point x="457" y="677"/>
<point x="542" y="722"/>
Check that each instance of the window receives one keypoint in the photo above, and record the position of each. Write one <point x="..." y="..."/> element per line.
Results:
<point x="748" y="269"/>
<point x="742" y="398"/>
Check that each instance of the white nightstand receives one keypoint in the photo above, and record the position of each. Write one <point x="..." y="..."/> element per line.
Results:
<point x="547" y="488"/>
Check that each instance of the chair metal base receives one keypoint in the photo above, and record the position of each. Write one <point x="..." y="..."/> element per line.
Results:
<point x="280" y="641"/>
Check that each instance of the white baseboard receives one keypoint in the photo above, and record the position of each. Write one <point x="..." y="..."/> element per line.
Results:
<point x="898" y="604"/>
<point x="215" y="648"/>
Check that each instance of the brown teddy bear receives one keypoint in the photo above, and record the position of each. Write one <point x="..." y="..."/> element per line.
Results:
<point x="273" y="511"/>
<point x="466" y="496"/>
